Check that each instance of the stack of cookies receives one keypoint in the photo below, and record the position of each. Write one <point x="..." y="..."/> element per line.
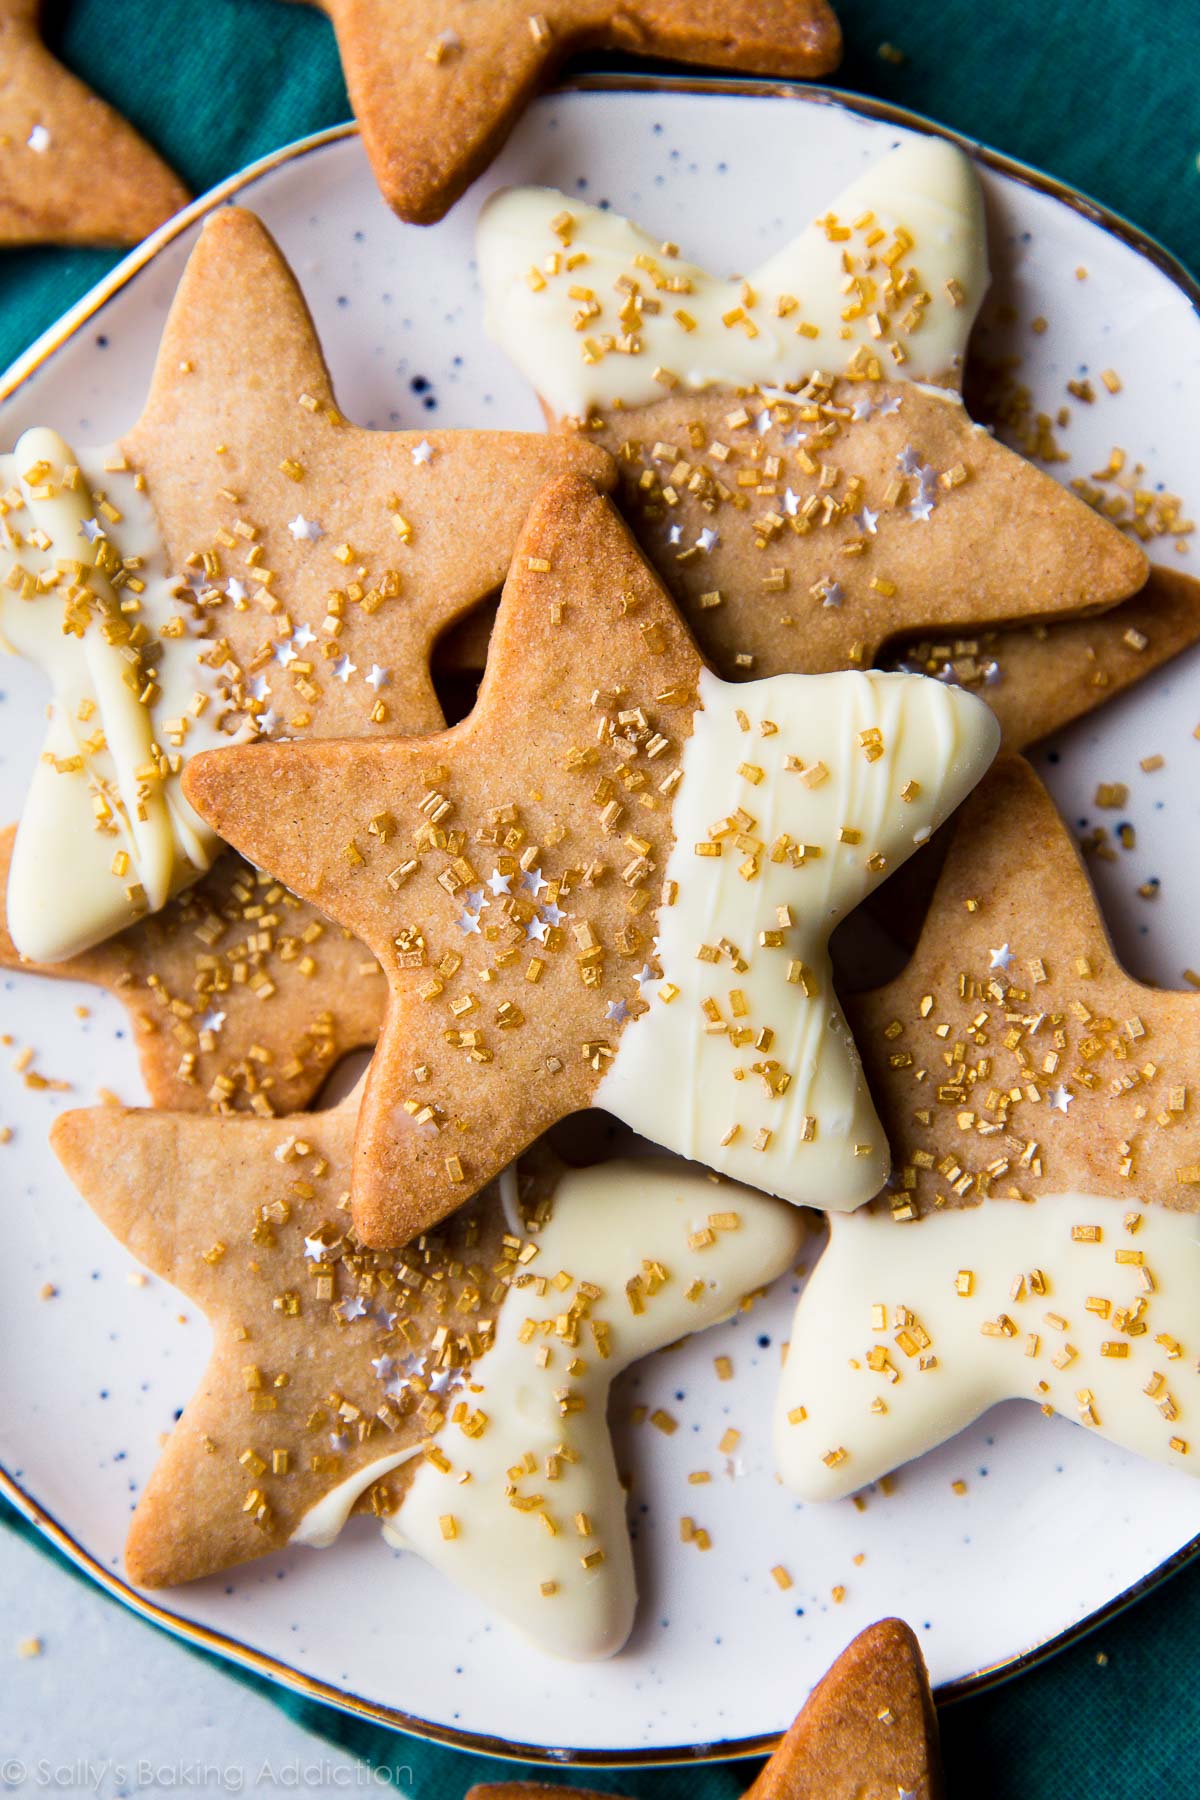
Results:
<point x="709" y="725"/>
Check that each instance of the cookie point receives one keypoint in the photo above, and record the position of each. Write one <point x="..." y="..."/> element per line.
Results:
<point x="228" y="220"/>
<point x="66" y="1130"/>
<point x="213" y="783"/>
<point x="145" y="1562"/>
<point x="889" y="1634"/>
<point x="927" y="159"/>
<point x="566" y="499"/>
<point x="202" y="779"/>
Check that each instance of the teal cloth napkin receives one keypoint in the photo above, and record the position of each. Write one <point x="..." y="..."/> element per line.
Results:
<point x="1103" y="96"/>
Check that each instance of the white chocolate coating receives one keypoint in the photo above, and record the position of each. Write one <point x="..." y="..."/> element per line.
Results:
<point x="323" y="1522"/>
<point x="695" y="1066"/>
<point x="1108" y="1342"/>
<point x="609" y="1225"/>
<point x="554" y="305"/>
<point x="74" y="879"/>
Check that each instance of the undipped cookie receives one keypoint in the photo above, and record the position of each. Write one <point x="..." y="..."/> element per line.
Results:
<point x="457" y="1389"/>
<point x="72" y="171"/>
<point x="793" y="449"/>
<point x="611" y="885"/>
<point x="868" y="1731"/>
<point x="437" y="85"/>
<point x="1040" y="1237"/>
<point x="1036" y="678"/>
<point x="244" y="559"/>
<point x="1039" y="678"/>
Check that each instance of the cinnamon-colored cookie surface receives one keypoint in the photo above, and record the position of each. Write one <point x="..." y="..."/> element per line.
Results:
<point x="72" y="171"/>
<point x="437" y="85"/>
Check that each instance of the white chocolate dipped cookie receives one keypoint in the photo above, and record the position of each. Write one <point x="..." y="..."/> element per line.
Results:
<point x="792" y="446"/>
<point x="1040" y="1236"/>
<point x="457" y="1389"/>
<point x="245" y="561"/>
<point x="612" y="885"/>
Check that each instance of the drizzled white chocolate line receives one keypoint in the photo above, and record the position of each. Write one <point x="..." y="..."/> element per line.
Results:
<point x="519" y="1502"/>
<point x="557" y="276"/>
<point x="106" y="834"/>
<point x="1088" y="1305"/>
<point x="799" y="794"/>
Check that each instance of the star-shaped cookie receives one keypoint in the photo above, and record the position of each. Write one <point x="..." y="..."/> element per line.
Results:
<point x="794" y="453"/>
<point x="1039" y="678"/>
<point x="1040" y="1236"/>
<point x="457" y="1389"/>
<point x="245" y="559"/>
<point x="241" y="997"/>
<point x="1036" y="678"/>
<point x="611" y="885"/>
<point x="437" y="85"/>
<point x="72" y="171"/>
<point x="868" y="1731"/>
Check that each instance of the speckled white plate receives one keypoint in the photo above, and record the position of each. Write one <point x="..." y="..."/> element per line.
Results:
<point x="1055" y="1527"/>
